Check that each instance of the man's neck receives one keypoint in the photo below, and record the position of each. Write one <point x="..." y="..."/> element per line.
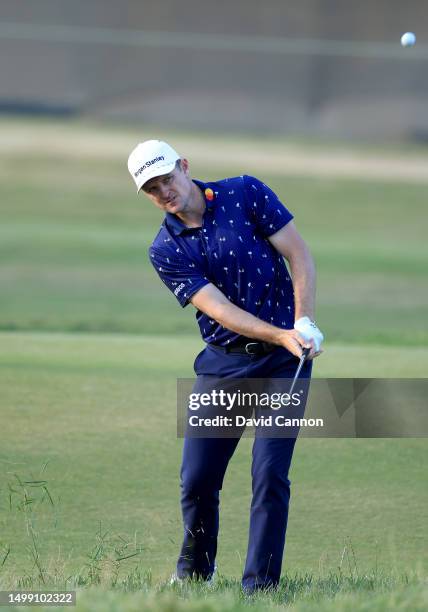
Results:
<point x="192" y="217"/>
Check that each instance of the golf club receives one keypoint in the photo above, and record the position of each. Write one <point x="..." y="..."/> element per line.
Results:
<point x="305" y="353"/>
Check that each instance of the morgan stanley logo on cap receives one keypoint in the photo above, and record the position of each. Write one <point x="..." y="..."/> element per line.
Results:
<point x="149" y="159"/>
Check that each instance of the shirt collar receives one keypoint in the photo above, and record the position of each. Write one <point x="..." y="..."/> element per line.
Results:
<point x="175" y="224"/>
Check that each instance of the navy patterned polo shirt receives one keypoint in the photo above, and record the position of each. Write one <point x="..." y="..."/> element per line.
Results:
<point x="232" y="252"/>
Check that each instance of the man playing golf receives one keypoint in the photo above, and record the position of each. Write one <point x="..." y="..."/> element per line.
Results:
<point x="221" y="247"/>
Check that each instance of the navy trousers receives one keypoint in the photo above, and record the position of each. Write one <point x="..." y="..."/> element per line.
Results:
<point x="203" y="468"/>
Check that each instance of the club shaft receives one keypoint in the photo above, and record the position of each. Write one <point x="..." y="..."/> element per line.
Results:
<point x="299" y="367"/>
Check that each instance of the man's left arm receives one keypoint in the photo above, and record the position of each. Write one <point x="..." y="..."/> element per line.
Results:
<point x="288" y="242"/>
<point x="291" y="245"/>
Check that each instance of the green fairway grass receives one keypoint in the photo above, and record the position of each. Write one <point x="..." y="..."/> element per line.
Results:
<point x="92" y="344"/>
<point x="74" y="239"/>
<point x="300" y="593"/>
<point x="100" y="411"/>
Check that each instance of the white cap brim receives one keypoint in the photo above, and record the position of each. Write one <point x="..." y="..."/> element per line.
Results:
<point x="154" y="171"/>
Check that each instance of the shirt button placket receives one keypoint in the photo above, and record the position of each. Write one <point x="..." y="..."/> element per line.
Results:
<point x="205" y="235"/>
<point x="204" y="241"/>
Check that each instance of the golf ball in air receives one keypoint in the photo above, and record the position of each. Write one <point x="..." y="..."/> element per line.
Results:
<point x="408" y="39"/>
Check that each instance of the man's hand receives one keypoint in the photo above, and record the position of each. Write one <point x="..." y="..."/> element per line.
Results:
<point x="310" y="333"/>
<point x="294" y="342"/>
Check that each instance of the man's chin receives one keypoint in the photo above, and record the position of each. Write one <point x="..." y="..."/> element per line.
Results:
<point x="173" y="207"/>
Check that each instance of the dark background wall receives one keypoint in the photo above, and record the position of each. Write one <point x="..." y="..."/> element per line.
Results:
<point x="321" y="67"/>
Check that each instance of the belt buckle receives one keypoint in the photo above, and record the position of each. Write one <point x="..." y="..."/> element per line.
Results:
<point x="249" y="351"/>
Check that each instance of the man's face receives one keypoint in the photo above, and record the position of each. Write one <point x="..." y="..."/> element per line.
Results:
<point x="171" y="192"/>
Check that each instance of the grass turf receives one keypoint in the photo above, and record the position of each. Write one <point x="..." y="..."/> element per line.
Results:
<point x="74" y="237"/>
<point x="100" y="411"/>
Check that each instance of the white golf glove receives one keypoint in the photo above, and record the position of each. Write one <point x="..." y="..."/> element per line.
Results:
<point x="309" y="331"/>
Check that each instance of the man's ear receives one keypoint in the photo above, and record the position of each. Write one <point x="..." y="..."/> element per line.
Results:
<point x="185" y="166"/>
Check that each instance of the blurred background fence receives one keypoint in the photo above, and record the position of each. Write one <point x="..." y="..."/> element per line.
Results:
<point x="314" y="67"/>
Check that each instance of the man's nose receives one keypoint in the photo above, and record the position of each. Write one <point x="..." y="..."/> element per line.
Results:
<point x="164" y="191"/>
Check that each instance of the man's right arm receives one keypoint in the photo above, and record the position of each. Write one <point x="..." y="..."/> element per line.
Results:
<point x="214" y="303"/>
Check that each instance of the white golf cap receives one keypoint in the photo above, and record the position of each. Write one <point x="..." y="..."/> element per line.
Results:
<point x="149" y="159"/>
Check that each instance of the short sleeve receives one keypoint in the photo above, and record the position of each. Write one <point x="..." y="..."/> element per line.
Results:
<point x="180" y="274"/>
<point x="264" y="206"/>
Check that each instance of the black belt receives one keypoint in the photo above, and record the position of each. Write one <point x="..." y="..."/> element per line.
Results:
<point x="250" y="347"/>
